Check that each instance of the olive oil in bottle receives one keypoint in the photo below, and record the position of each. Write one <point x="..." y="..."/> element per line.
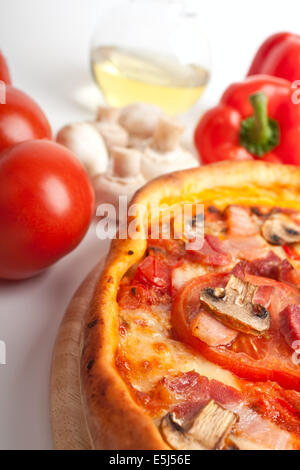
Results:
<point x="127" y="76"/>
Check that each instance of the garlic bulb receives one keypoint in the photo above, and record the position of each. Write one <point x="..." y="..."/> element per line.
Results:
<point x="124" y="178"/>
<point x="140" y="120"/>
<point x="87" y="144"/>
<point x="165" y="154"/>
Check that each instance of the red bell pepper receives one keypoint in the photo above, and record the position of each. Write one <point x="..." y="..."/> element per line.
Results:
<point x="279" y="56"/>
<point x="255" y="119"/>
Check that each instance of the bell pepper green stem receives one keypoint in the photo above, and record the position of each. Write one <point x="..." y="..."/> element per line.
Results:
<point x="261" y="129"/>
<point x="259" y="134"/>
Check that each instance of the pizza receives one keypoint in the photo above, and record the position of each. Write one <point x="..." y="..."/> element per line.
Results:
<point x="195" y="344"/>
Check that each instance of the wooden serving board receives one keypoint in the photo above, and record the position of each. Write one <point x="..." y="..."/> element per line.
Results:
<point x="69" y="428"/>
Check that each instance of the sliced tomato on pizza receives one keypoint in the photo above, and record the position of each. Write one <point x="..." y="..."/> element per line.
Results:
<point x="251" y="356"/>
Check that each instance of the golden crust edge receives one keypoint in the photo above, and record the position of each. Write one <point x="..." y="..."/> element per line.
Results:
<point x="115" y="421"/>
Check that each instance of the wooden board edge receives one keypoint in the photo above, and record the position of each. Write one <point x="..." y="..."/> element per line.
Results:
<point x="67" y="417"/>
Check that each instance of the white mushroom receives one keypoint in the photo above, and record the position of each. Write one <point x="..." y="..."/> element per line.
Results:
<point x="209" y="430"/>
<point x="139" y="143"/>
<point x="167" y="135"/>
<point x="126" y="162"/>
<point x="213" y="425"/>
<point x="139" y="126"/>
<point x="165" y="154"/>
<point x="140" y="119"/>
<point x="175" y="435"/>
<point x="87" y="144"/>
<point x="234" y="307"/>
<point x="107" y="124"/>
<point x="279" y="229"/>
<point x="108" y="114"/>
<point x="123" y="179"/>
<point x="113" y="134"/>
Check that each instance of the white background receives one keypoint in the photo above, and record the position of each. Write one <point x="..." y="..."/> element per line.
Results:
<point x="47" y="44"/>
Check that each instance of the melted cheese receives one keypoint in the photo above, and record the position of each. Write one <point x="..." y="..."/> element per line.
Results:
<point x="248" y="195"/>
<point x="152" y="354"/>
<point x="186" y="272"/>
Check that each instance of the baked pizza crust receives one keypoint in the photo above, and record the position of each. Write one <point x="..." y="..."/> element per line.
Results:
<point x="114" y="420"/>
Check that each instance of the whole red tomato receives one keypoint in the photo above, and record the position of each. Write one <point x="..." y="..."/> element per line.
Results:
<point x="21" y="119"/>
<point x="4" y="71"/>
<point x="46" y="206"/>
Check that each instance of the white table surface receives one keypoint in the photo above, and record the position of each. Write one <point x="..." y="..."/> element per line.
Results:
<point x="47" y="44"/>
